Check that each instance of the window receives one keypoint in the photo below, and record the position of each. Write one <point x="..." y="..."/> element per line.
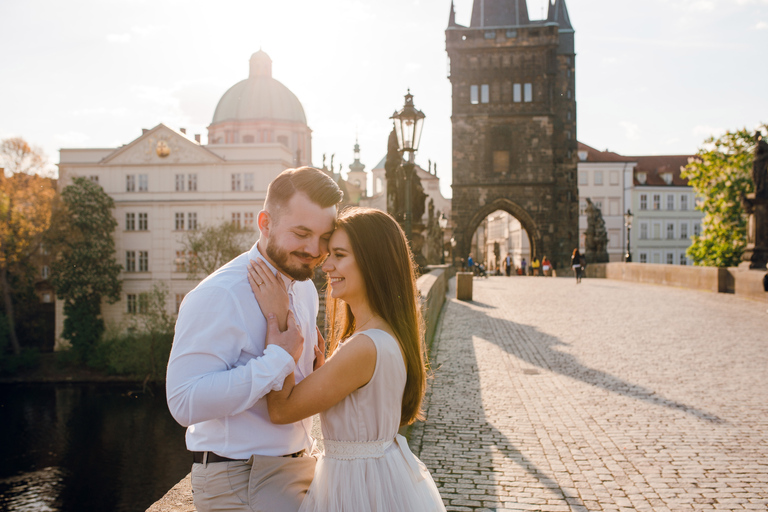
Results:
<point x="236" y="219"/>
<point x="643" y="201"/>
<point x="248" y="181"/>
<point x="248" y="219"/>
<point x="490" y="34"/>
<point x="143" y="303"/>
<point x="642" y="178"/>
<point x="130" y="221"/>
<point x="130" y="183"/>
<point x="143" y="182"/>
<point x="192" y="182"/>
<point x="583" y="178"/>
<point x="511" y="34"/>
<point x="192" y="221"/>
<point x="528" y="93"/>
<point x="94" y="178"/>
<point x="500" y="161"/>
<point x="657" y="201"/>
<point x="47" y="298"/>
<point x="236" y="181"/>
<point x="696" y="229"/>
<point x="598" y="177"/>
<point x="643" y="257"/>
<point x="683" y="259"/>
<point x="179" y="300"/>
<point x="143" y="261"/>
<point x="143" y="222"/>
<point x="683" y="230"/>
<point x="179" y="221"/>
<point x="667" y="177"/>
<point x="670" y="230"/>
<point x="131" y="303"/>
<point x="45" y="272"/>
<point x="670" y="258"/>
<point x="517" y="93"/>
<point x="644" y="231"/>
<point x="130" y="261"/>
<point x="656" y="231"/>
<point x="179" y="183"/>
<point x="180" y="262"/>
<point x="670" y="202"/>
<point x="484" y="93"/>
<point x="474" y="97"/>
<point x="683" y="202"/>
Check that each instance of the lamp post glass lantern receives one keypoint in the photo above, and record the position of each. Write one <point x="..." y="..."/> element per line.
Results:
<point x="408" y="124"/>
<point x="443" y="223"/>
<point x="628" y="224"/>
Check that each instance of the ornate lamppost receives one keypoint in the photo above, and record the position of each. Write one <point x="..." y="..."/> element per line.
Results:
<point x="628" y="224"/>
<point x="408" y="124"/>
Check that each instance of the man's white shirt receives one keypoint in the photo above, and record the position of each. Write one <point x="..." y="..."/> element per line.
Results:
<point x="219" y="371"/>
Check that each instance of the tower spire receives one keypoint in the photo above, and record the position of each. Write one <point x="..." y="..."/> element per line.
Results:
<point x="452" y="16"/>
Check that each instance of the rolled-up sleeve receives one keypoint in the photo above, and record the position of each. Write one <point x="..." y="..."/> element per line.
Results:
<point x="203" y="382"/>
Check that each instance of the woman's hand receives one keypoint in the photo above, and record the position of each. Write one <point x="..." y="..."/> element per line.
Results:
<point x="269" y="291"/>
<point x="289" y="340"/>
<point x="319" y="351"/>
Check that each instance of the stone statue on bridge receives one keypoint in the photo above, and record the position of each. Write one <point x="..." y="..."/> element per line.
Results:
<point x="596" y="236"/>
<point x="756" y="206"/>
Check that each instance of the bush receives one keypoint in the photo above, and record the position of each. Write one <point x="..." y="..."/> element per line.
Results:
<point x="136" y="353"/>
<point x="11" y="363"/>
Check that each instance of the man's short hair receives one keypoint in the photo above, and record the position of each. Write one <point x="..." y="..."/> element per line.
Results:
<point x="316" y="184"/>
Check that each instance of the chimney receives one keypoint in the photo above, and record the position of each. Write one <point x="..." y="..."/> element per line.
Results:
<point x="183" y="130"/>
<point x="197" y="138"/>
<point x="144" y="130"/>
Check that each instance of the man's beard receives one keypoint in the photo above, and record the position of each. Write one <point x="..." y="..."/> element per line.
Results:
<point x="279" y="257"/>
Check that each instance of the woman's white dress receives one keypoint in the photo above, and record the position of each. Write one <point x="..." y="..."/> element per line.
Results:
<point x="366" y="465"/>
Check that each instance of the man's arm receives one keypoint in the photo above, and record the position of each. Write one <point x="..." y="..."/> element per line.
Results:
<point x="202" y="382"/>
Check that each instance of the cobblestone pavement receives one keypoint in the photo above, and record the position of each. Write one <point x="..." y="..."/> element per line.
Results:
<point x="607" y="395"/>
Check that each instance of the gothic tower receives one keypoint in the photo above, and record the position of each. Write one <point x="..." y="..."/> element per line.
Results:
<point x="514" y="124"/>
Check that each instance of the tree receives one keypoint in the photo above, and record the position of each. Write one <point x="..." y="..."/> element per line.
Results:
<point x="84" y="269"/>
<point x="210" y="247"/>
<point x="720" y="173"/>
<point x="26" y="200"/>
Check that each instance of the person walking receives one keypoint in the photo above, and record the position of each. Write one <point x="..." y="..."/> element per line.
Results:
<point x="576" y="264"/>
<point x="535" y="266"/>
<point x="508" y="264"/>
<point x="523" y="265"/>
<point x="221" y="369"/>
<point x="546" y="267"/>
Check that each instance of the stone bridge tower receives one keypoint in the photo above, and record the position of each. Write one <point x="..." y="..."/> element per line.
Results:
<point x="514" y="124"/>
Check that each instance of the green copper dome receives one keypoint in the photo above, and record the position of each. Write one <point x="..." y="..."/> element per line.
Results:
<point x="259" y="97"/>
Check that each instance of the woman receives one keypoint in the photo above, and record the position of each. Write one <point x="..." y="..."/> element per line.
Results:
<point x="375" y="378"/>
<point x="576" y="264"/>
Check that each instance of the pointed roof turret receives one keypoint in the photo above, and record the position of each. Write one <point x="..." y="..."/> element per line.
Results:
<point x="558" y="13"/>
<point x="452" y="17"/>
<point x="499" y="13"/>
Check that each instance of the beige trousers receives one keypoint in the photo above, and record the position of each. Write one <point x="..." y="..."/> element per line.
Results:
<point x="261" y="484"/>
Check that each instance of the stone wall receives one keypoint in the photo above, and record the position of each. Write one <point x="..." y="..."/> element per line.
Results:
<point x="746" y="283"/>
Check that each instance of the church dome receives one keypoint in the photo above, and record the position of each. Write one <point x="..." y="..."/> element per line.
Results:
<point x="259" y="97"/>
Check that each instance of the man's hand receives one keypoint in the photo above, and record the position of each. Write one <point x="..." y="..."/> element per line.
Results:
<point x="269" y="291"/>
<point x="291" y="340"/>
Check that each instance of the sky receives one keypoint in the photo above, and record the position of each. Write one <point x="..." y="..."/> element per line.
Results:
<point x="652" y="76"/>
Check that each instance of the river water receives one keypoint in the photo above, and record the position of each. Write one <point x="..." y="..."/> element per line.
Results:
<point x="87" y="447"/>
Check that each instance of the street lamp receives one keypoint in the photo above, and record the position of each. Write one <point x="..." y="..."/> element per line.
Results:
<point x="443" y="223"/>
<point x="408" y="124"/>
<point x="628" y="224"/>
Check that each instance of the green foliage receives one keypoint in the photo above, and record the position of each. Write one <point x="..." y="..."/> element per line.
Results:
<point x="141" y="346"/>
<point x="11" y="363"/>
<point x="720" y="173"/>
<point x="84" y="269"/>
<point x="210" y="247"/>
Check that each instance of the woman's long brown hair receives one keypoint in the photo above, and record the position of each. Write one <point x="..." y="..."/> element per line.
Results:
<point x="386" y="263"/>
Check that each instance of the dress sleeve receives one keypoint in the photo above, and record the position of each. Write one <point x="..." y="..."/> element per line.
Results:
<point x="203" y="382"/>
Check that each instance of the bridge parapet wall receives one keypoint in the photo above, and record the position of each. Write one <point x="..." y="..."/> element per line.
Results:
<point x="743" y="282"/>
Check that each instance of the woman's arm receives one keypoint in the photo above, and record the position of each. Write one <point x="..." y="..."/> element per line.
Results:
<point x="348" y="369"/>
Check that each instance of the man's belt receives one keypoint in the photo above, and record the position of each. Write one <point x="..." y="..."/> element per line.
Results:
<point x="199" y="457"/>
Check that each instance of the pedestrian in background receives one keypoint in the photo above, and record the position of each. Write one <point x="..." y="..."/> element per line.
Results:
<point x="576" y="264"/>
<point x="535" y="266"/>
<point x="523" y="264"/>
<point x="546" y="267"/>
<point x="508" y="264"/>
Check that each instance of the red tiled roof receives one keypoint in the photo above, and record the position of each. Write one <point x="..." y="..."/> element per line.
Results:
<point x="655" y="166"/>
<point x="594" y="155"/>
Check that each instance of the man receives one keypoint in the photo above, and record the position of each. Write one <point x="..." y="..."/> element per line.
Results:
<point x="508" y="264"/>
<point x="219" y="370"/>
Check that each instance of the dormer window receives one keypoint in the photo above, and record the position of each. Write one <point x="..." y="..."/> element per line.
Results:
<point x="583" y="156"/>
<point x="642" y="178"/>
<point x="667" y="177"/>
